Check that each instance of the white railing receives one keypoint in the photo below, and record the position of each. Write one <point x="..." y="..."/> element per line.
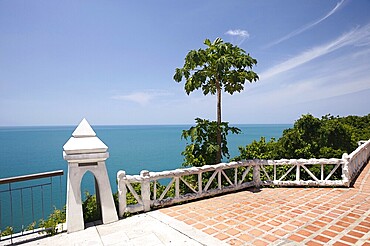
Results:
<point x="357" y="159"/>
<point x="147" y="189"/>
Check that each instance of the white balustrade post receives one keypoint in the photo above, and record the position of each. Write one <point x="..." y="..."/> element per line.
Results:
<point x="219" y="180"/>
<point x="298" y="172"/>
<point x="256" y="174"/>
<point x="145" y="189"/>
<point x="84" y="152"/>
<point x="345" y="169"/>
<point x="200" y="183"/>
<point x="122" y="192"/>
<point x="177" y="187"/>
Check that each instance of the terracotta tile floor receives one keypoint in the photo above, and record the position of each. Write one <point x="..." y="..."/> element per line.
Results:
<point x="278" y="216"/>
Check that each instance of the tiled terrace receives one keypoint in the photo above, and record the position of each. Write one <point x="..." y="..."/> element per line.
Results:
<point x="269" y="216"/>
<point x="281" y="216"/>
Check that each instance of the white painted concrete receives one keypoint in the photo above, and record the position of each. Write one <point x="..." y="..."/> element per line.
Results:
<point x="85" y="152"/>
<point x="149" y="229"/>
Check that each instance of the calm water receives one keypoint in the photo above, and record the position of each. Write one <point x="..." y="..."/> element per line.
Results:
<point x="26" y="150"/>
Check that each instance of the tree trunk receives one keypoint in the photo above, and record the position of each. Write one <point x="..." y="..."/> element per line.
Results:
<point x="218" y="87"/>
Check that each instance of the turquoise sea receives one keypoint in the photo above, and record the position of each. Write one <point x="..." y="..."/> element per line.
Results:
<point x="27" y="150"/>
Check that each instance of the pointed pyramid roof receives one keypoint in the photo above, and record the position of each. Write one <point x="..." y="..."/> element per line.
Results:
<point x="84" y="141"/>
<point x="83" y="130"/>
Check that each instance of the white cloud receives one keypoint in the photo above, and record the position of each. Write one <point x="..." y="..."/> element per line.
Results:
<point x="306" y="27"/>
<point x="238" y="32"/>
<point x="238" y="35"/>
<point x="142" y="98"/>
<point x="356" y="37"/>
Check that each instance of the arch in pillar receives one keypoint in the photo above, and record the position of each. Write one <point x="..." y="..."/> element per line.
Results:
<point x="102" y="188"/>
<point x="87" y="179"/>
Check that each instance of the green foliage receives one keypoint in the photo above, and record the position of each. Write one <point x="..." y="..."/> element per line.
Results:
<point x="130" y="199"/>
<point x="220" y="62"/>
<point x="258" y="150"/>
<point x="203" y="146"/>
<point x="90" y="208"/>
<point x="360" y="126"/>
<point x="51" y="224"/>
<point x="328" y="137"/>
<point x="31" y="226"/>
<point x="8" y="231"/>
<point x="317" y="138"/>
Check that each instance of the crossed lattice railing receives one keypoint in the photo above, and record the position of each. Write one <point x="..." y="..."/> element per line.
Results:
<point x="153" y="189"/>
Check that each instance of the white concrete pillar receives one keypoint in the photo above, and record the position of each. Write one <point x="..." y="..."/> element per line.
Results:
<point x="122" y="191"/>
<point x="145" y="189"/>
<point x="345" y="170"/>
<point x="86" y="152"/>
<point x="256" y="173"/>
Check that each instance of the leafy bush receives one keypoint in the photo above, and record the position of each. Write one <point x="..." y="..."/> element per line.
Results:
<point x="90" y="208"/>
<point x="54" y="219"/>
<point x="8" y="231"/>
<point x="203" y="147"/>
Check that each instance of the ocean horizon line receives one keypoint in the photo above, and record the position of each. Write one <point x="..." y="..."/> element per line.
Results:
<point x="130" y="125"/>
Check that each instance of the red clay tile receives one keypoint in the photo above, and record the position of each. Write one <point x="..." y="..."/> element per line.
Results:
<point x="326" y="219"/>
<point x="305" y="233"/>
<point x="340" y="244"/>
<point x="220" y="226"/>
<point x="270" y="238"/>
<point x="356" y="216"/>
<point x="275" y="223"/>
<point x="245" y="237"/>
<point x="199" y="226"/>
<point x="365" y="224"/>
<point x="361" y="229"/>
<point x="351" y="240"/>
<point x="243" y="227"/>
<point x="312" y="228"/>
<point x="256" y="232"/>
<point x="190" y="221"/>
<point x="265" y="228"/>
<point x="313" y="243"/>
<point x="210" y="222"/>
<point x="231" y="222"/>
<point x="252" y="222"/>
<point x="210" y="231"/>
<point x="241" y="218"/>
<point x="296" y="238"/>
<point x="221" y="236"/>
<point x="280" y="232"/>
<point x="260" y="243"/>
<point x="232" y="231"/>
<point x="343" y="224"/>
<point x="355" y="234"/>
<point x="322" y="239"/>
<point x="329" y="233"/>
<point x="336" y="228"/>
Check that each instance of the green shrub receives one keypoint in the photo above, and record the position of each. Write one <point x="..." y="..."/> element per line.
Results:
<point x="54" y="219"/>
<point x="90" y="208"/>
<point x="8" y="231"/>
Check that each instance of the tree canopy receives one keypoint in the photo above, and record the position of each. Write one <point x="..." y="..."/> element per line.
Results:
<point x="311" y="137"/>
<point x="221" y="66"/>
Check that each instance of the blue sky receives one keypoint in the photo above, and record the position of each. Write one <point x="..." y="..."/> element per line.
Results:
<point x="113" y="61"/>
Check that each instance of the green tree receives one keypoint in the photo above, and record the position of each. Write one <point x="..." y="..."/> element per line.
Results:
<point x="258" y="150"/>
<point x="311" y="137"/>
<point x="204" y="147"/>
<point x="221" y="66"/>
